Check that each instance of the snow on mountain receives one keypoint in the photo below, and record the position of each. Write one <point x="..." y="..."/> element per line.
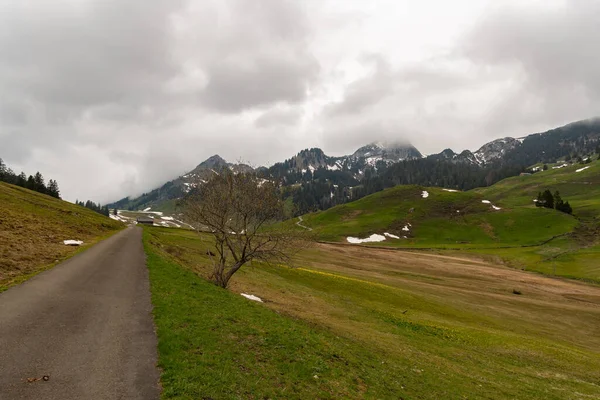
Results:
<point x="310" y="160"/>
<point x="488" y="153"/>
<point x="375" y="152"/>
<point x="496" y="149"/>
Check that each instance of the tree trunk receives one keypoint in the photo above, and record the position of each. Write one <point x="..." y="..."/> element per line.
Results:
<point x="221" y="278"/>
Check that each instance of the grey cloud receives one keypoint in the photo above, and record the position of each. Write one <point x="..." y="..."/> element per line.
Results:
<point x="368" y="91"/>
<point x="553" y="46"/>
<point x="346" y="138"/>
<point x="262" y="58"/>
<point x="278" y="118"/>
<point x="407" y="86"/>
<point x="519" y="70"/>
<point x="13" y="113"/>
<point x="552" y="61"/>
<point x="233" y="87"/>
<point x="91" y="53"/>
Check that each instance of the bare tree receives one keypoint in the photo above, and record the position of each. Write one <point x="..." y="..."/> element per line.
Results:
<point x="240" y="212"/>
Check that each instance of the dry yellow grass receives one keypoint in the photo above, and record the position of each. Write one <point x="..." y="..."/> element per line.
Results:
<point x="33" y="227"/>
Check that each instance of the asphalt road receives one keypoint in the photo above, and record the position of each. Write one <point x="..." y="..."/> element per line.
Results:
<point x="86" y="324"/>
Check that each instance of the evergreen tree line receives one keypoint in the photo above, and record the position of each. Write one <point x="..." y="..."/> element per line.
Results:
<point x="32" y="182"/>
<point x="548" y="200"/>
<point x="100" y="209"/>
<point x="322" y="190"/>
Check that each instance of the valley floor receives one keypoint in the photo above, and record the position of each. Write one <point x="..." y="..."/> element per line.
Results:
<point x="354" y="322"/>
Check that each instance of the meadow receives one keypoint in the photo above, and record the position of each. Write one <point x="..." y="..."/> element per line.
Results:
<point x="356" y="322"/>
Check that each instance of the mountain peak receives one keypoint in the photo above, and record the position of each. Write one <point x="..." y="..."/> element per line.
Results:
<point x="213" y="161"/>
<point x="496" y="149"/>
<point x="392" y="151"/>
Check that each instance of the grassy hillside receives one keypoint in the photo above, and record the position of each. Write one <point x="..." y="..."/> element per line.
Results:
<point x="519" y="234"/>
<point x="442" y="219"/>
<point x="581" y="189"/>
<point x="354" y="322"/>
<point x="33" y="227"/>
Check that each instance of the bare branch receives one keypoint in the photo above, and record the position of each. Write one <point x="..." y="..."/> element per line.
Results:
<point x="243" y="214"/>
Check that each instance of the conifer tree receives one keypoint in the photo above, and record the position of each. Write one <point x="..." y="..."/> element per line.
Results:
<point x="30" y="184"/>
<point x="2" y="170"/>
<point x="38" y="182"/>
<point x="548" y="199"/>
<point x="540" y="200"/>
<point x="53" y="189"/>
<point x="22" y="179"/>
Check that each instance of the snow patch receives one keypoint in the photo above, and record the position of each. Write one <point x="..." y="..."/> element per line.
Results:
<point x="159" y="213"/>
<point x="147" y="209"/>
<point x="168" y="218"/>
<point x="450" y="190"/>
<point x="560" y="166"/>
<point x="252" y="297"/>
<point x="73" y="242"/>
<point x="373" y="238"/>
<point x="425" y="194"/>
<point x="373" y="160"/>
<point x="582" y="169"/>
<point x="391" y="236"/>
<point x="490" y="203"/>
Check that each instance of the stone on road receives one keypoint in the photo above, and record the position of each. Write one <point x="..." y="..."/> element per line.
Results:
<point x="86" y="325"/>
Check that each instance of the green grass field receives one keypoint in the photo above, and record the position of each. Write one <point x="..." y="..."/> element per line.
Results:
<point x="581" y="189"/>
<point x="442" y="220"/>
<point x="33" y="227"/>
<point x="357" y="323"/>
<point x="518" y="234"/>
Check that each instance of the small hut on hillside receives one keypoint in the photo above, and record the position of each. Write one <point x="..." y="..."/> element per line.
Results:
<point x="145" y="220"/>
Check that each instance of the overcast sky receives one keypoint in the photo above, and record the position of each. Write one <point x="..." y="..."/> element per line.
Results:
<point x="115" y="97"/>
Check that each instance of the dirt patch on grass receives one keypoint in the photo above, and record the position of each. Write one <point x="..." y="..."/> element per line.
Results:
<point x="488" y="229"/>
<point x="350" y="215"/>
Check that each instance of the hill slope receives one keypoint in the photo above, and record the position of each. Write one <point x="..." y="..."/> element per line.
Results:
<point x="518" y="234"/>
<point x="577" y="183"/>
<point x="33" y="227"/>
<point x="434" y="217"/>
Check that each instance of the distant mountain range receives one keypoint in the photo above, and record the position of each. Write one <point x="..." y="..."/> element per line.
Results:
<point x="313" y="180"/>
